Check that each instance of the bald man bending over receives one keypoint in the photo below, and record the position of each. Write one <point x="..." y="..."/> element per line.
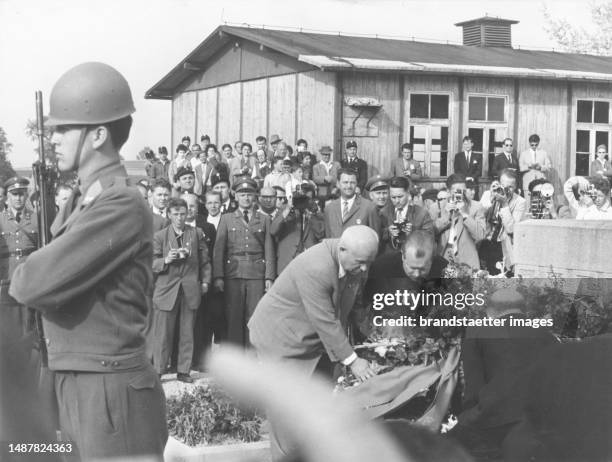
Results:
<point x="305" y="313"/>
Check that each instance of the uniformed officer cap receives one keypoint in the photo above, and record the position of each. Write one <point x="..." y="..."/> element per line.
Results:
<point x="245" y="185"/>
<point x="183" y="171"/>
<point x="219" y="179"/>
<point x="16" y="183"/>
<point x="377" y="182"/>
<point x="351" y="144"/>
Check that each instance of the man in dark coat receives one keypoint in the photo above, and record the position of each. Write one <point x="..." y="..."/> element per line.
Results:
<point x="352" y="162"/>
<point x="468" y="163"/>
<point x="507" y="159"/>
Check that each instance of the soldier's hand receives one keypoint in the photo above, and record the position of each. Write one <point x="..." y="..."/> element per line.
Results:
<point x="393" y="231"/>
<point x="268" y="284"/>
<point x="219" y="284"/>
<point x="361" y="369"/>
<point x="407" y="228"/>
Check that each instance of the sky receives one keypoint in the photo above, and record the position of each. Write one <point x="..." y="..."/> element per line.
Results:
<point x="145" y="39"/>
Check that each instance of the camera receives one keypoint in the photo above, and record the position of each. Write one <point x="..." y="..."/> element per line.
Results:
<point x="301" y="200"/>
<point x="591" y="192"/>
<point x="541" y="200"/>
<point x="182" y="253"/>
<point x="458" y="195"/>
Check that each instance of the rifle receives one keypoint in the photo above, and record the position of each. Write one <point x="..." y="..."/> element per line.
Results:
<point x="43" y="206"/>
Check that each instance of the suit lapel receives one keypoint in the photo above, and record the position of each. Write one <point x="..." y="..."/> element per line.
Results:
<point x="352" y="210"/>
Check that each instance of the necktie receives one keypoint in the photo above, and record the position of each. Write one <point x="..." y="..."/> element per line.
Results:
<point x="509" y="158"/>
<point x="246" y="215"/>
<point x="455" y="237"/>
<point x="223" y="209"/>
<point x="467" y="158"/>
<point x="345" y="210"/>
<point x="18" y="217"/>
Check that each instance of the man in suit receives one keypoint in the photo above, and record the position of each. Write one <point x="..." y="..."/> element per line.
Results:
<point x="161" y="168"/>
<point x="352" y="162"/>
<point x="468" y="163"/>
<point x="350" y="209"/>
<point x="461" y="225"/>
<point x="242" y="165"/>
<point x="306" y="312"/>
<point x="406" y="165"/>
<point x="182" y="265"/>
<point x="221" y="185"/>
<point x="401" y="216"/>
<point x="160" y="195"/>
<point x="534" y="163"/>
<point x="267" y="202"/>
<point x="243" y="260"/>
<point x="496" y="364"/>
<point x="503" y="209"/>
<point x="324" y="172"/>
<point x="205" y="172"/>
<point x="507" y="159"/>
<point x="184" y="181"/>
<point x="296" y="229"/>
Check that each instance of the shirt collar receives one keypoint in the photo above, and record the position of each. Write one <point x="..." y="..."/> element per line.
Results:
<point x="105" y="176"/>
<point x="341" y="271"/>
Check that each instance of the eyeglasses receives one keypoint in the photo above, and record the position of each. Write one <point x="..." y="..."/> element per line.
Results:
<point x="508" y="145"/>
<point x="534" y="144"/>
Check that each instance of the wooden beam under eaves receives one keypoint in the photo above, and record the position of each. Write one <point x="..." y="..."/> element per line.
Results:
<point x="191" y="67"/>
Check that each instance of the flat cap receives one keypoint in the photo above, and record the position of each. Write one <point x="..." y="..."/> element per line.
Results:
<point x="275" y="139"/>
<point x="218" y="178"/>
<point x="16" y="183"/>
<point x="431" y="194"/>
<point x="351" y="144"/>
<point x="182" y="171"/>
<point x="325" y="149"/>
<point x="377" y="182"/>
<point x="245" y="185"/>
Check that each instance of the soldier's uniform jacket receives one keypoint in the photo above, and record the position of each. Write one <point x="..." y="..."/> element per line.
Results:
<point x="91" y="281"/>
<point x="17" y="241"/>
<point x="244" y="251"/>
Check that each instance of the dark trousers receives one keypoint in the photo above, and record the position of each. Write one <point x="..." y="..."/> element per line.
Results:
<point x="241" y="298"/>
<point x="490" y="253"/>
<point x="164" y="324"/>
<point x="483" y="444"/>
<point x="115" y="415"/>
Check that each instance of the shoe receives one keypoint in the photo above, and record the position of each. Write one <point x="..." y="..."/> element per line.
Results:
<point x="183" y="377"/>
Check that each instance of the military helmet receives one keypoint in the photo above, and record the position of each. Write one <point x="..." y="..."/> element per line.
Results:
<point x="88" y="94"/>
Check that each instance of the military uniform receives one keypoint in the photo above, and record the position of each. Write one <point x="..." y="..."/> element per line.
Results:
<point x="244" y="258"/>
<point x="91" y="283"/>
<point x="18" y="239"/>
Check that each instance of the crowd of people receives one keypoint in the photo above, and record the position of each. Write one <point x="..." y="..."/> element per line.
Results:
<point x="267" y="248"/>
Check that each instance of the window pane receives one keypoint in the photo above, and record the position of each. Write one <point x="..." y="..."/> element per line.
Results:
<point x="477" y="108"/>
<point x="582" y="141"/>
<point x="444" y="151"/>
<point x="602" y="112"/>
<point x="584" y="111"/>
<point x="601" y="138"/>
<point x="439" y="106"/>
<point x="477" y="136"/>
<point x="417" y="138"/>
<point x="419" y="106"/>
<point x="435" y="170"/>
<point x="496" y="109"/>
<point x="582" y="164"/>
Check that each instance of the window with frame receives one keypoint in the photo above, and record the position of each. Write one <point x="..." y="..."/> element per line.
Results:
<point x="592" y="129"/>
<point x="429" y="131"/>
<point x="487" y="126"/>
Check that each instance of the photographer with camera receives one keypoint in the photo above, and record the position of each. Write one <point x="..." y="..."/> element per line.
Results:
<point x="542" y="205"/>
<point x="461" y="225"/>
<point x="298" y="226"/>
<point x="401" y="216"/>
<point x="593" y="201"/>
<point x="503" y="208"/>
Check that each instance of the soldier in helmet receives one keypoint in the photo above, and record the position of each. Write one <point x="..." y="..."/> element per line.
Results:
<point x="243" y="260"/>
<point x="91" y="281"/>
<point x="18" y="239"/>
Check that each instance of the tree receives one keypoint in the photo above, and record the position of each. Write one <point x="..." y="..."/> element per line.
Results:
<point x="597" y="40"/>
<point x="6" y="169"/>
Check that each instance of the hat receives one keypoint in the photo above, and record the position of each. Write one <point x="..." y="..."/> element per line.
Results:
<point x="325" y="150"/>
<point x="281" y="190"/>
<point x="183" y="171"/>
<point x="219" y="179"/>
<point x="287" y="163"/>
<point x="275" y="139"/>
<point x="351" y="144"/>
<point x="431" y="194"/>
<point x="377" y="182"/>
<point x="245" y="185"/>
<point x="16" y="183"/>
<point x="267" y="191"/>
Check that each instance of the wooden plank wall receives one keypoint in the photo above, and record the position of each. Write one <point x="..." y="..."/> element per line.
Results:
<point x="183" y="119"/>
<point x="207" y="114"/>
<point x="254" y="108"/>
<point x="543" y="110"/>
<point x="228" y="115"/>
<point x="282" y="107"/>
<point x="316" y="99"/>
<point x="377" y="151"/>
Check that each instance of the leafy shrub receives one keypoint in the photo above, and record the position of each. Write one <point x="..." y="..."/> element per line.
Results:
<point x="207" y="416"/>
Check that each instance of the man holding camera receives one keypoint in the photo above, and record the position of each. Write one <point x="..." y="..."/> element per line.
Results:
<point x="182" y="266"/>
<point x="461" y="225"/>
<point x="593" y="202"/>
<point x="297" y="227"/>
<point x="542" y="205"/>
<point x="503" y="208"/>
<point x="402" y="216"/>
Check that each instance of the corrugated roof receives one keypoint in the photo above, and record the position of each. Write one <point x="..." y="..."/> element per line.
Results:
<point x="342" y="52"/>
